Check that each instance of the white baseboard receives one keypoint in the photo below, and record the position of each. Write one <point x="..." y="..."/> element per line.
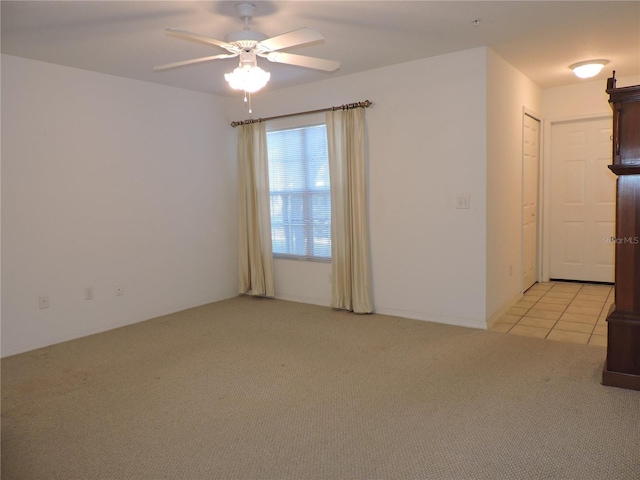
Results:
<point x="461" y="322"/>
<point x="301" y="299"/>
<point x="491" y="321"/>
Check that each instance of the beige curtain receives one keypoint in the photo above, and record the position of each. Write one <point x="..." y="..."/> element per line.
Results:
<point x="255" y="258"/>
<point x="350" y="261"/>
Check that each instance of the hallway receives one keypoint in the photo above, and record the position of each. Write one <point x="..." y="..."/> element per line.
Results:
<point x="561" y="311"/>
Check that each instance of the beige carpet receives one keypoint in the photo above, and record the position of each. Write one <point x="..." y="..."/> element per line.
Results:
<point x="265" y="389"/>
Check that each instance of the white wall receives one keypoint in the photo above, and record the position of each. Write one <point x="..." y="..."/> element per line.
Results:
<point x="111" y="180"/>
<point x="106" y="180"/>
<point x="582" y="99"/>
<point x="508" y="92"/>
<point x="427" y="144"/>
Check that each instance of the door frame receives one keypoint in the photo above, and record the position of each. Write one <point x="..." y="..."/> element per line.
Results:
<point x="526" y="112"/>
<point x="545" y="207"/>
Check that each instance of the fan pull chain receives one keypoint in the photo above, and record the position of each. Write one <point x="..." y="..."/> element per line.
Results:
<point x="248" y="101"/>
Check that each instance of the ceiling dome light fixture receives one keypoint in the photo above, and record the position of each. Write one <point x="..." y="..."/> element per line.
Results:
<point x="588" y="69"/>
<point x="248" y="76"/>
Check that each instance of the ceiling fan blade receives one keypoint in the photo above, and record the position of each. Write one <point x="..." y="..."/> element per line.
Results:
<point x="196" y="37"/>
<point x="291" y="39"/>
<point x="191" y="62"/>
<point x="303" y="61"/>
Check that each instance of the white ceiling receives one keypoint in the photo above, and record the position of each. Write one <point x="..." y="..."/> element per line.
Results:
<point x="126" y="38"/>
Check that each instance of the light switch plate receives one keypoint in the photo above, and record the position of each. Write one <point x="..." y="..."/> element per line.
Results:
<point x="463" y="201"/>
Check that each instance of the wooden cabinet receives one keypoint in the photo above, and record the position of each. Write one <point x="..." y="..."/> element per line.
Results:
<point x="622" y="368"/>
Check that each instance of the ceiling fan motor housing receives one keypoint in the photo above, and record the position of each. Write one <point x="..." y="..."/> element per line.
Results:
<point x="245" y="38"/>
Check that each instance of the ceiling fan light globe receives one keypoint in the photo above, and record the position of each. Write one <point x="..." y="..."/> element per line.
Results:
<point x="248" y="78"/>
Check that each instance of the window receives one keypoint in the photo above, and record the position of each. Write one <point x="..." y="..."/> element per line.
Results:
<point x="300" y="192"/>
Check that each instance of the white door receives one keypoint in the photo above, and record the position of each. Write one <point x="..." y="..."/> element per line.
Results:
<point x="582" y="201"/>
<point x="530" y="169"/>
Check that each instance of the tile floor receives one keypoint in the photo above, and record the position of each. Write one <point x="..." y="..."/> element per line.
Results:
<point x="562" y="311"/>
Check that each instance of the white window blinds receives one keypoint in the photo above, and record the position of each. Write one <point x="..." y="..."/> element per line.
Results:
<point x="300" y="192"/>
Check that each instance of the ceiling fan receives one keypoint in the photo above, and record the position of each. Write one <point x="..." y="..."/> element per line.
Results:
<point x="247" y="44"/>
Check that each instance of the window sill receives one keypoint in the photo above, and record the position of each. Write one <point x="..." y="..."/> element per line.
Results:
<point x="281" y="256"/>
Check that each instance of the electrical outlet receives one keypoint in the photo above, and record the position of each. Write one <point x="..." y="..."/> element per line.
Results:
<point x="118" y="289"/>
<point x="43" y="301"/>
<point x="88" y="293"/>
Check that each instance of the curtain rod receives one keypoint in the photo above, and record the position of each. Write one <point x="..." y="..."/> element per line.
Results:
<point x="348" y="106"/>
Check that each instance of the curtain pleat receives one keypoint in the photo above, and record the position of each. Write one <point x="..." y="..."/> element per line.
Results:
<point x="350" y="257"/>
<point x="255" y="258"/>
